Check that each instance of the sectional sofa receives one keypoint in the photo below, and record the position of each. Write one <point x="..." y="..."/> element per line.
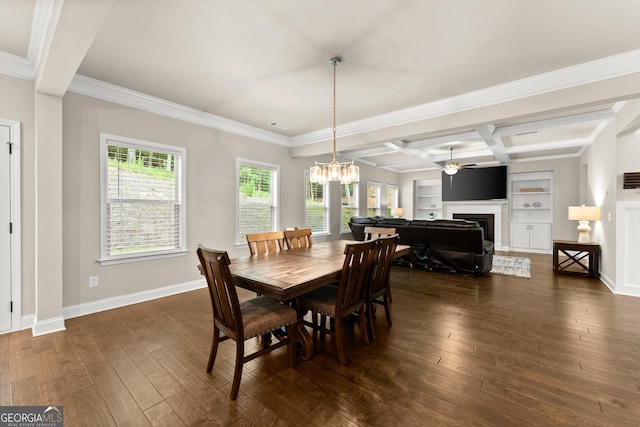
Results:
<point x="452" y="244"/>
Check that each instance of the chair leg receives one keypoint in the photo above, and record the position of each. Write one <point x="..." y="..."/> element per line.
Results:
<point x="237" y="374"/>
<point x="323" y="327"/>
<point x="387" y="309"/>
<point x="340" y="342"/>
<point x="292" y="334"/>
<point x="314" y="322"/>
<point x="363" y="325"/>
<point x="214" y="349"/>
<point x="372" y="332"/>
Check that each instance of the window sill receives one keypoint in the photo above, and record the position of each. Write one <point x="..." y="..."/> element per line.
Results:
<point x="141" y="257"/>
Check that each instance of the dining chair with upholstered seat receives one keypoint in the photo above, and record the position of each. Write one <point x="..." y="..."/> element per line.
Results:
<point x="339" y="302"/>
<point x="299" y="238"/>
<point x="375" y="232"/>
<point x="241" y="321"/>
<point x="378" y="290"/>
<point x="268" y="242"/>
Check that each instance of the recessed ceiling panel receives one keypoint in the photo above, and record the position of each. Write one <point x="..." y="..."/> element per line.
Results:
<point x="16" y="17"/>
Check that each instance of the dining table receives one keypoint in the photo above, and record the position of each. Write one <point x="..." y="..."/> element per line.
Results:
<point x="289" y="274"/>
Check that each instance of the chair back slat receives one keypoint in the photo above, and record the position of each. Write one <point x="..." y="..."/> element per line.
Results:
<point x="265" y="243"/>
<point x="382" y="263"/>
<point x="222" y="290"/>
<point x="354" y="276"/>
<point x="375" y="232"/>
<point x="300" y="238"/>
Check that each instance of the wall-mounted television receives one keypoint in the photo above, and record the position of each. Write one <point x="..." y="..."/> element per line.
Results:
<point x="475" y="184"/>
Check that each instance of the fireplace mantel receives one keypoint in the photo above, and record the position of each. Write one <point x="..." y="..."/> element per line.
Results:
<point x="480" y="207"/>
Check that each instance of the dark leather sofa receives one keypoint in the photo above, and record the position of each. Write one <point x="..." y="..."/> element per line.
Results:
<point x="453" y="244"/>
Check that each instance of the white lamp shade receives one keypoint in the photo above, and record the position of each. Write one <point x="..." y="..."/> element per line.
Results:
<point x="584" y="213"/>
<point x="398" y="212"/>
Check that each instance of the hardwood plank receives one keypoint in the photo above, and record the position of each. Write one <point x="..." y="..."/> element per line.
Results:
<point x="134" y="380"/>
<point x="55" y="393"/>
<point x="91" y="408"/>
<point x="486" y="351"/>
<point x="117" y="398"/>
<point x="161" y="415"/>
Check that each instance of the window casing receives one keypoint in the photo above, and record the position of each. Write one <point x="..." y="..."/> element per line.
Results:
<point x="392" y="198"/>
<point x="257" y="198"/>
<point x="373" y="198"/>
<point x="316" y="206"/>
<point x="142" y="199"/>
<point x="348" y="205"/>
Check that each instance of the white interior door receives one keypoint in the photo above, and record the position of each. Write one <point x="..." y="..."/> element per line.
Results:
<point x="5" y="235"/>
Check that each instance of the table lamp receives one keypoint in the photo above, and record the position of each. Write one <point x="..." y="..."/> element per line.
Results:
<point x="397" y="212"/>
<point x="583" y="214"/>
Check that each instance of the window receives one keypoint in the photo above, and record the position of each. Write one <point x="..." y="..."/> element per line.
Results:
<point x="142" y="199"/>
<point x="348" y="205"/>
<point x="316" y="206"/>
<point x="373" y="198"/>
<point x="392" y="198"/>
<point x="257" y="198"/>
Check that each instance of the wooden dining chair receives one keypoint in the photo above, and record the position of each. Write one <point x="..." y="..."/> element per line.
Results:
<point x="379" y="285"/>
<point x="339" y="302"/>
<point x="268" y="242"/>
<point x="375" y="232"/>
<point x="299" y="238"/>
<point x="241" y="321"/>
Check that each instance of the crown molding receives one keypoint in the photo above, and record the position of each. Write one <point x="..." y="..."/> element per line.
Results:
<point x="25" y="68"/>
<point x="108" y="92"/>
<point x="16" y="66"/>
<point x="589" y="72"/>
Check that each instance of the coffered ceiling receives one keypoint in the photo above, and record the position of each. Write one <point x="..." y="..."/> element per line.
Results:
<point x="495" y="79"/>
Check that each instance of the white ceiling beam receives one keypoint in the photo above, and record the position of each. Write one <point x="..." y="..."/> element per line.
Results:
<point x="494" y="143"/>
<point x="545" y="146"/>
<point x="463" y="155"/>
<point x="591" y="116"/>
<point x="377" y="151"/>
<point x="72" y="28"/>
<point x="443" y="139"/>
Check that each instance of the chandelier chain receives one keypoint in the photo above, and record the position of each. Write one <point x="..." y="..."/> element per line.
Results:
<point x="334" y="111"/>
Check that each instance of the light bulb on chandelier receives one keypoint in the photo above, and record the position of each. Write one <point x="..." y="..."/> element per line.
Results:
<point x="346" y="172"/>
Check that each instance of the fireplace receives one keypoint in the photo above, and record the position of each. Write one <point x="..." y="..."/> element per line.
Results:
<point x="486" y="221"/>
<point x="476" y="210"/>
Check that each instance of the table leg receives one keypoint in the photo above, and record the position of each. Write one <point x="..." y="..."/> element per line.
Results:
<point x="305" y="339"/>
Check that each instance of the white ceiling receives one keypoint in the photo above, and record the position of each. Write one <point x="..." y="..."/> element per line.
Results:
<point x="242" y="65"/>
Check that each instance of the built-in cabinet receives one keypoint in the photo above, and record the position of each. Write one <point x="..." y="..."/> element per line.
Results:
<point x="531" y="211"/>
<point x="428" y="199"/>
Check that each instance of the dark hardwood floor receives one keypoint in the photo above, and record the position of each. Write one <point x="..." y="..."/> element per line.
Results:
<point x="552" y="350"/>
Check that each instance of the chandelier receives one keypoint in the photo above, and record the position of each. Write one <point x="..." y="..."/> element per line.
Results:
<point x="347" y="172"/>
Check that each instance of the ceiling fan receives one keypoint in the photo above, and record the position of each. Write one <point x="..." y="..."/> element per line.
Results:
<point x="451" y="168"/>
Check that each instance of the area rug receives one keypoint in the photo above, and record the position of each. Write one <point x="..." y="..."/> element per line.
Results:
<point x="511" y="266"/>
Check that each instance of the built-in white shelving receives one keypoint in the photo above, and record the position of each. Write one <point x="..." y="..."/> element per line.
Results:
<point x="428" y="199"/>
<point x="531" y="211"/>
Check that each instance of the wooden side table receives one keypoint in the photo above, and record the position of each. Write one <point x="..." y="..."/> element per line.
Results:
<point x="581" y="258"/>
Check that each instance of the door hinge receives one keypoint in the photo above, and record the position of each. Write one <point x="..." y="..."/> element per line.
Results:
<point x="10" y="227"/>
<point x="10" y="144"/>
<point x="11" y="308"/>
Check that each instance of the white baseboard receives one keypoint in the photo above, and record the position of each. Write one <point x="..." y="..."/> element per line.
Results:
<point x="124" y="300"/>
<point x="55" y="324"/>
